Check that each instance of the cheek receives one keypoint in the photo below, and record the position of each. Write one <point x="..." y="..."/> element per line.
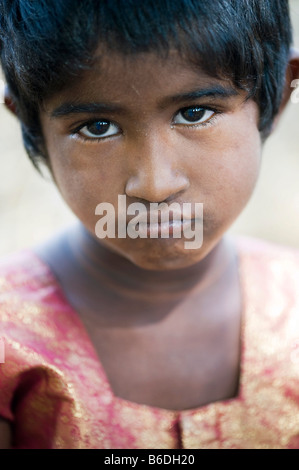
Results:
<point x="237" y="173"/>
<point x="230" y="164"/>
<point x="225" y="172"/>
<point x="83" y="182"/>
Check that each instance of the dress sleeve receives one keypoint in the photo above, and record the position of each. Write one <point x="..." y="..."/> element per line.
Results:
<point x="34" y="395"/>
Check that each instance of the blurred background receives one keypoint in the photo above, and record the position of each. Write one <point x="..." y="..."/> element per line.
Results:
<point x="31" y="208"/>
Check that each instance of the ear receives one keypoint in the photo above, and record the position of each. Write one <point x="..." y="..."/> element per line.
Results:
<point x="8" y="101"/>
<point x="291" y="82"/>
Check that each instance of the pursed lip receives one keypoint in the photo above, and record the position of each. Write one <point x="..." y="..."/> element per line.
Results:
<point x="159" y="217"/>
<point x="174" y="227"/>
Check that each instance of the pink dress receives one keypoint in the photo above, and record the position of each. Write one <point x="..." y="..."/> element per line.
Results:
<point x="55" y="392"/>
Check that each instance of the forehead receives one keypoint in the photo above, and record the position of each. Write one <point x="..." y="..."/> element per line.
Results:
<point x="135" y="78"/>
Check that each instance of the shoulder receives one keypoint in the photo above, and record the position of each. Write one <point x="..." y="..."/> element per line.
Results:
<point x="269" y="277"/>
<point x="270" y="280"/>
<point x="23" y="281"/>
<point x="269" y="273"/>
<point x="26" y="283"/>
<point x="264" y="249"/>
<point x="31" y="298"/>
<point x="269" y="264"/>
<point x="22" y="272"/>
<point x="34" y="313"/>
<point x="35" y="321"/>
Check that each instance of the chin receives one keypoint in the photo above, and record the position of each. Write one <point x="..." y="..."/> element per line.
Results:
<point x="163" y="261"/>
<point x="158" y="254"/>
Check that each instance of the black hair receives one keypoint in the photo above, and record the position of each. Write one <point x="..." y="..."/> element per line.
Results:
<point x="45" y="43"/>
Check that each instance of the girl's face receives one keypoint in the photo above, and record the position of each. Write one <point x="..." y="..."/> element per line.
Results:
<point x="155" y="130"/>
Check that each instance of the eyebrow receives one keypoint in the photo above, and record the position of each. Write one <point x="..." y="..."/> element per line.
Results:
<point x="73" y="108"/>
<point x="217" y="91"/>
<point x="69" y="109"/>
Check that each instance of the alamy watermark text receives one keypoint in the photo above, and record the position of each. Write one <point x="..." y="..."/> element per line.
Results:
<point x="158" y="220"/>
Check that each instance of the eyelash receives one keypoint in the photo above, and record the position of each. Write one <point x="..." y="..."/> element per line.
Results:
<point x="208" y="122"/>
<point x="76" y="132"/>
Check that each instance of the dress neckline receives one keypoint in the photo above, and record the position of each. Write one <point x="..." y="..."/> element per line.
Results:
<point x="52" y="280"/>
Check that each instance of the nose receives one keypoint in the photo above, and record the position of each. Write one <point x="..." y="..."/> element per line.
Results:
<point x="155" y="173"/>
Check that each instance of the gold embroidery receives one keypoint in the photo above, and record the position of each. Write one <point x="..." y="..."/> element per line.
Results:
<point x="61" y="397"/>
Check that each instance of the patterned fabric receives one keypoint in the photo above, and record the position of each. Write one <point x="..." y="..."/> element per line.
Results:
<point x="56" y="394"/>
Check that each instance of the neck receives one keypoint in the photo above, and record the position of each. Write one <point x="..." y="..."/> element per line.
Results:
<point x="99" y="264"/>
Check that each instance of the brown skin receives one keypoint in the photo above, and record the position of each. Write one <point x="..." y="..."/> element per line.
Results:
<point x="164" y="320"/>
<point x="155" y="333"/>
<point x="147" y="322"/>
<point x="152" y="159"/>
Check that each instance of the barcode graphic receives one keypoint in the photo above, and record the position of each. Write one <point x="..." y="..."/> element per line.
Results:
<point x="2" y="351"/>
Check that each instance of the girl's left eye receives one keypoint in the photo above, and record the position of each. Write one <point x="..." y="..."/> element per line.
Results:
<point x="99" y="129"/>
<point x="193" y="115"/>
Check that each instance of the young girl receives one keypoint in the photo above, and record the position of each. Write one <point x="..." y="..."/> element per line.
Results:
<point x="132" y="340"/>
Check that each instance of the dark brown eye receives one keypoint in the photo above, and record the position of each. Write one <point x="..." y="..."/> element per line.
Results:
<point x="99" y="129"/>
<point x="194" y="114"/>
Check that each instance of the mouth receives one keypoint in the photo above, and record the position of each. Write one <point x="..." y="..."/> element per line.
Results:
<point x="174" y="222"/>
<point x="166" y="222"/>
<point x="174" y="228"/>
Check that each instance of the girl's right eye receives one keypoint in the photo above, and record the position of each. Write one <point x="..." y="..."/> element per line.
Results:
<point x="99" y="130"/>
